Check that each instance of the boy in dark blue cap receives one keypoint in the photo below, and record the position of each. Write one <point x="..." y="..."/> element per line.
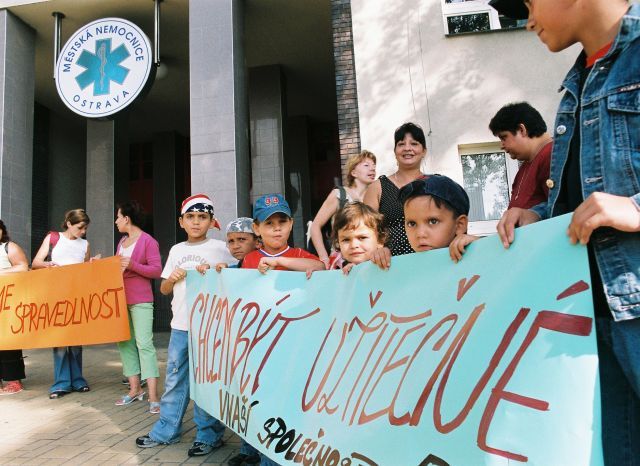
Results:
<point x="436" y="210"/>
<point x="272" y="223"/>
<point x="595" y="173"/>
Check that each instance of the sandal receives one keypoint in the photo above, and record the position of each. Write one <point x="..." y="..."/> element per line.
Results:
<point x="126" y="399"/>
<point x="57" y="394"/>
<point x="154" y="407"/>
<point x="84" y="389"/>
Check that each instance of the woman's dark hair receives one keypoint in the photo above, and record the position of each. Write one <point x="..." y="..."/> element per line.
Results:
<point x="74" y="217"/>
<point x="5" y="234"/>
<point x="134" y="211"/>
<point x="511" y="116"/>
<point x="409" y="128"/>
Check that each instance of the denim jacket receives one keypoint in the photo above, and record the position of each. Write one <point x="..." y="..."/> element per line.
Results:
<point x="609" y="125"/>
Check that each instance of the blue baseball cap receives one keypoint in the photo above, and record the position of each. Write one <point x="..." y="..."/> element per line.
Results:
<point x="438" y="186"/>
<point x="268" y="205"/>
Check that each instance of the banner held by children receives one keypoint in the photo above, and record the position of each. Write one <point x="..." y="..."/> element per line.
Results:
<point x="81" y="304"/>
<point x="491" y="361"/>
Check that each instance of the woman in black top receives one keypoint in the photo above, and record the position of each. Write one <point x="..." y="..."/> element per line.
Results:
<point x="382" y="194"/>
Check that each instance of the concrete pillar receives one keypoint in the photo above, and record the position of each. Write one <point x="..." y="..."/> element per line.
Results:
<point x="219" y="116"/>
<point x="17" y="88"/>
<point x="107" y="155"/>
<point x="267" y="115"/>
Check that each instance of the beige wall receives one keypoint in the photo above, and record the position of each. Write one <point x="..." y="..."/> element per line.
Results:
<point x="408" y="70"/>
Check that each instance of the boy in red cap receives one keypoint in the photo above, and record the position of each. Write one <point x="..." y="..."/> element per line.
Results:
<point x="595" y="173"/>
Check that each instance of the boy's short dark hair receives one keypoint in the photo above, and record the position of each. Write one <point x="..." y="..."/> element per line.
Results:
<point x="409" y="128"/>
<point x="442" y="189"/>
<point x="512" y="115"/>
<point x="355" y="213"/>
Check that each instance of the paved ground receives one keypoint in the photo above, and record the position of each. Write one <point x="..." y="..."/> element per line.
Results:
<point x="87" y="428"/>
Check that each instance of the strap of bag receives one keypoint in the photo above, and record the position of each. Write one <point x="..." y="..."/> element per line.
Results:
<point x="342" y="200"/>
<point x="54" y="236"/>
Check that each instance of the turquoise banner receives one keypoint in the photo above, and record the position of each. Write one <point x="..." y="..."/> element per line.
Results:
<point x="491" y="361"/>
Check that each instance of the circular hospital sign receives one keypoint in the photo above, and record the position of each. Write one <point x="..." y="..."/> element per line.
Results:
<point x="103" y="67"/>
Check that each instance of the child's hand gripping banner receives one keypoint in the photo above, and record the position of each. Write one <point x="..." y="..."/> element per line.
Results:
<point x="491" y="361"/>
<point x="81" y="304"/>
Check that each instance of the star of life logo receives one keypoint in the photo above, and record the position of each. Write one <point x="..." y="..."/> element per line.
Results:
<point x="103" y="67"/>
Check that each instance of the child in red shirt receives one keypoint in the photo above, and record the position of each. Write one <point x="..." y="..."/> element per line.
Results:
<point x="272" y="223"/>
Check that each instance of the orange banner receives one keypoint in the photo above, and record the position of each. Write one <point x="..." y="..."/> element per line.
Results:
<point x="81" y="304"/>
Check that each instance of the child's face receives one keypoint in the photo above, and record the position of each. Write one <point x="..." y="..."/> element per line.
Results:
<point x="429" y="226"/>
<point x="241" y="244"/>
<point x="554" y="22"/>
<point x="274" y="232"/>
<point x="357" y="244"/>
<point x="196" y="224"/>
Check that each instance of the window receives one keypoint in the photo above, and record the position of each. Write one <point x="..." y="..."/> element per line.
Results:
<point x="464" y="16"/>
<point x="487" y="174"/>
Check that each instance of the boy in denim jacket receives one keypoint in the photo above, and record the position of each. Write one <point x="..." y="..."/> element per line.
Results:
<point x="595" y="173"/>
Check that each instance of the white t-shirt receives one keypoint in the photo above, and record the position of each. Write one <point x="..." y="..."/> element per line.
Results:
<point x="69" y="251"/>
<point x="188" y="256"/>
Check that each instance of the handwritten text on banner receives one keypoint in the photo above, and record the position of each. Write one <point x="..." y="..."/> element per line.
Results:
<point x="80" y="304"/>
<point x="491" y="361"/>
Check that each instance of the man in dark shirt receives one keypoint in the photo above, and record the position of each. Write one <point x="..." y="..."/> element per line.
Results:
<point x="523" y="135"/>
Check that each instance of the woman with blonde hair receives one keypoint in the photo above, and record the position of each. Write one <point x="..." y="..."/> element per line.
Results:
<point x="361" y="172"/>
<point x="58" y="249"/>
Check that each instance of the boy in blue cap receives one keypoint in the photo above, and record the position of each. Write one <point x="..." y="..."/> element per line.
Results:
<point x="272" y="223"/>
<point x="595" y="173"/>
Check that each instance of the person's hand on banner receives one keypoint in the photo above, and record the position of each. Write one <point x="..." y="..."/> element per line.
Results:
<point x="202" y="268"/>
<point x="95" y="258"/>
<point x="124" y="262"/>
<point x="603" y="210"/>
<point x="347" y="268"/>
<point x="382" y="258"/>
<point x="512" y="218"/>
<point x="267" y="263"/>
<point x="221" y="266"/>
<point x="458" y="245"/>
<point x="177" y="275"/>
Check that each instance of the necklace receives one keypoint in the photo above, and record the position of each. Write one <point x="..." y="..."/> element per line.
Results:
<point x="527" y="165"/>
<point x="525" y="173"/>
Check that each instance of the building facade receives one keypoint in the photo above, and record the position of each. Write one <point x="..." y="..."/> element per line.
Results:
<point x="253" y="97"/>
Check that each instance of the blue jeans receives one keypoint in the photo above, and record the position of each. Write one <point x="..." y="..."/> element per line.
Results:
<point x="175" y="399"/>
<point x="619" y="353"/>
<point x="247" y="449"/>
<point x="266" y="461"/>
<point x="67" y="369"/>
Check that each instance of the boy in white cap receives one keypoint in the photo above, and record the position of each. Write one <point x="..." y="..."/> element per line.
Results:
<point x="199" y="253"/>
